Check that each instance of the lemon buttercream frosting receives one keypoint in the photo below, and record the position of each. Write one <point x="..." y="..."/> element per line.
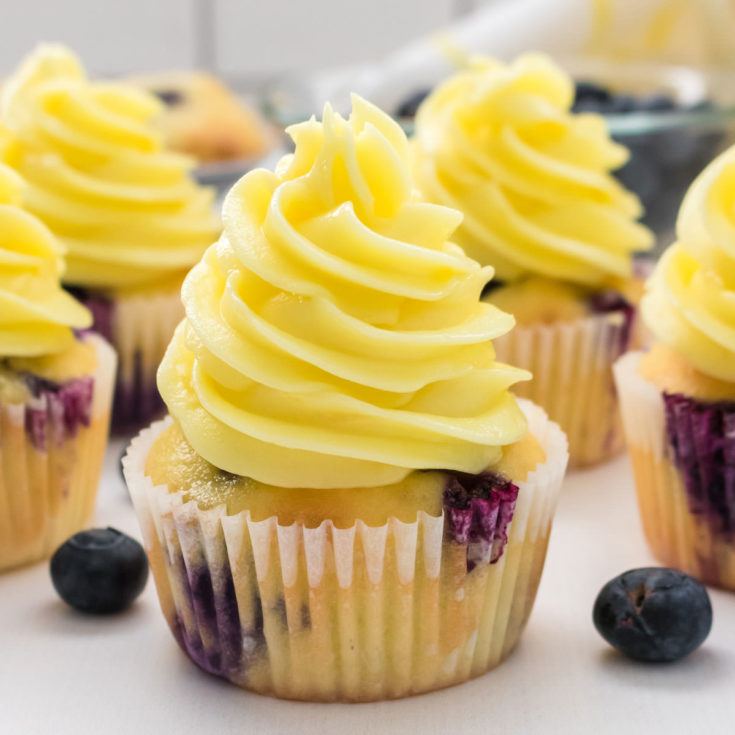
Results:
<point x="690" y="298"/>
<point x="127" y="210"/>
<point x="499" y="142"/>
<point x="36" y="315"/>
<point x="334" y="335"/>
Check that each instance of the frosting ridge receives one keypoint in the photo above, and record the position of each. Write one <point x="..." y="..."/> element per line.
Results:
<point x="500" y="143"/>
<point x="36" y="314"/>
<point x="127" y="211"/>
<point x="690" y="298"/>
<point x="334" y="335"/>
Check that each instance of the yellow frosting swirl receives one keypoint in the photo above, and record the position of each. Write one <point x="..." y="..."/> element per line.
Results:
<point x="128" y="212"/>
<point x="690" y="298"/>
<point x="36" y="315"/>
<point x="499" y="143"/>
<point x="334" y="337"/>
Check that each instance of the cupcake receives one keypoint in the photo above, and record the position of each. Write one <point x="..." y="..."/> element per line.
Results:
<point x="55" y="391"/>
<point x="346" y="502"/>
<point x="128" y="212"/>
<point x="678" y="399"/>
<point x="533" y="180"/>
<point x="204" y="118"/>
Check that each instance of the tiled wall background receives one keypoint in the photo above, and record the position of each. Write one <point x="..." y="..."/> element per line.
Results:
<point x="246" y="40"/>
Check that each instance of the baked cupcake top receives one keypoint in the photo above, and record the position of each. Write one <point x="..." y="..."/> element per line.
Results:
<point x="500" y="143"/>
<point x="690" y="298"/>
<point x="127" y="211"/>
<point x="334" y="336"/>
<point x="36" y="315"/>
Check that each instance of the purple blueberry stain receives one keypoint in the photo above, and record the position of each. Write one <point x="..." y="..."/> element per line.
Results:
<point x="305" y="617"/>
<point x="230" y="649"/>
<point x="60" y="409"/>
<point x="137" y="400"/>
<point x="701" y="438"/>
<point x="218" y="615"/>
<point x="610" y="301"/>
<point x="479" y="509"/>
<point x="101" y="307"/>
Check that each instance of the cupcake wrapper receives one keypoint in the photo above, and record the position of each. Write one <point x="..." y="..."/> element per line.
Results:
<point x="357" y="614"/>
<point x="51" y="452"/>
<point x="683" y="454"/>
<point x="139" y="327"/>
<point x="572" y="381"/>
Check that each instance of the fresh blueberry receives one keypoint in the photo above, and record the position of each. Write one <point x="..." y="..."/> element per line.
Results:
<point x="410" y="105"/>
<point x="589" y="92"/>
<point x="621" y="104"/>
<point x="653" y="614"/>
<point x="590" y="105"/>
<point x="99" y="571"/>
<point x="658" y="102"/>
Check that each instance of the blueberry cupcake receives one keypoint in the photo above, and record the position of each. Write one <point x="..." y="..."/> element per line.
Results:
<point x="55" y="391"/>
<point x="533" y="180"/>
<point x="678" y="399"/>
<point x="128" y="212"/>
<point x="346" y="502"/>
<point x="205" y="119"/>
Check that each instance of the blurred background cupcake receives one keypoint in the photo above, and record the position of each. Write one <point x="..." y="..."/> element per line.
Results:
<point x="204" y="118"/>
<point x="55" y="391"/>
<point x="678" y="399"/>
<point x="532" y="179"/>
<point x="128" y="212"/>
<point x="348" y="503"/>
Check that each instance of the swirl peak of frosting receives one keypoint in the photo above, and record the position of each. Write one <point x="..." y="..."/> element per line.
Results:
<point x="127" y="211"/>
<point x="690" y="298"/>
<point x="500" y="143"/>
<point x="36" y="314"/>
<point x="334" y="336"/>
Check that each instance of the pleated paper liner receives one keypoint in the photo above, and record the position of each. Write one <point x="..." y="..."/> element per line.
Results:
<point x="139" y="326"/>
<point x="357" y="614"/>
<point x="687" y="512"/>
<point x="572" y="381"/>
<point x="51" y="453"/>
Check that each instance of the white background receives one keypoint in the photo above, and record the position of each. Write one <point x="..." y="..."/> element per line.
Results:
<point x="66" y="674"/>
<point x="246" y="40"/>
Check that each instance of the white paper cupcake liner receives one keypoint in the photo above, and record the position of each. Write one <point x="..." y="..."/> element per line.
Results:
<point x="572" y="381"/>
<point x="51" y="453"/>
<point x="680" y="523"/>
<point x="139" y="326"/>
<point x="326" y="613"/>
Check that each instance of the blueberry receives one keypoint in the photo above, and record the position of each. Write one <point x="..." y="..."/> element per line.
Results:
<point x="621" y="104"/>
<point x="410" y="105"/>
<point x="590" y="105"/>
<point x="589" y="92"/>
<point x="653" y="614"/>
<point x="99" y="571"/>
<point x="658" y="102"/>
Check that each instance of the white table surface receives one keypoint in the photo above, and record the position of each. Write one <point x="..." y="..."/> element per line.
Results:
<point x="61" y="672"/>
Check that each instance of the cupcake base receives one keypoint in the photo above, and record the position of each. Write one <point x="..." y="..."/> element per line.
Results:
<point x="573" y="381"/>
<point x="687" y="523"/>
<point x="139" y="327"/>
<point x="51" y="453"/>
<point x="342" y="614"/>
